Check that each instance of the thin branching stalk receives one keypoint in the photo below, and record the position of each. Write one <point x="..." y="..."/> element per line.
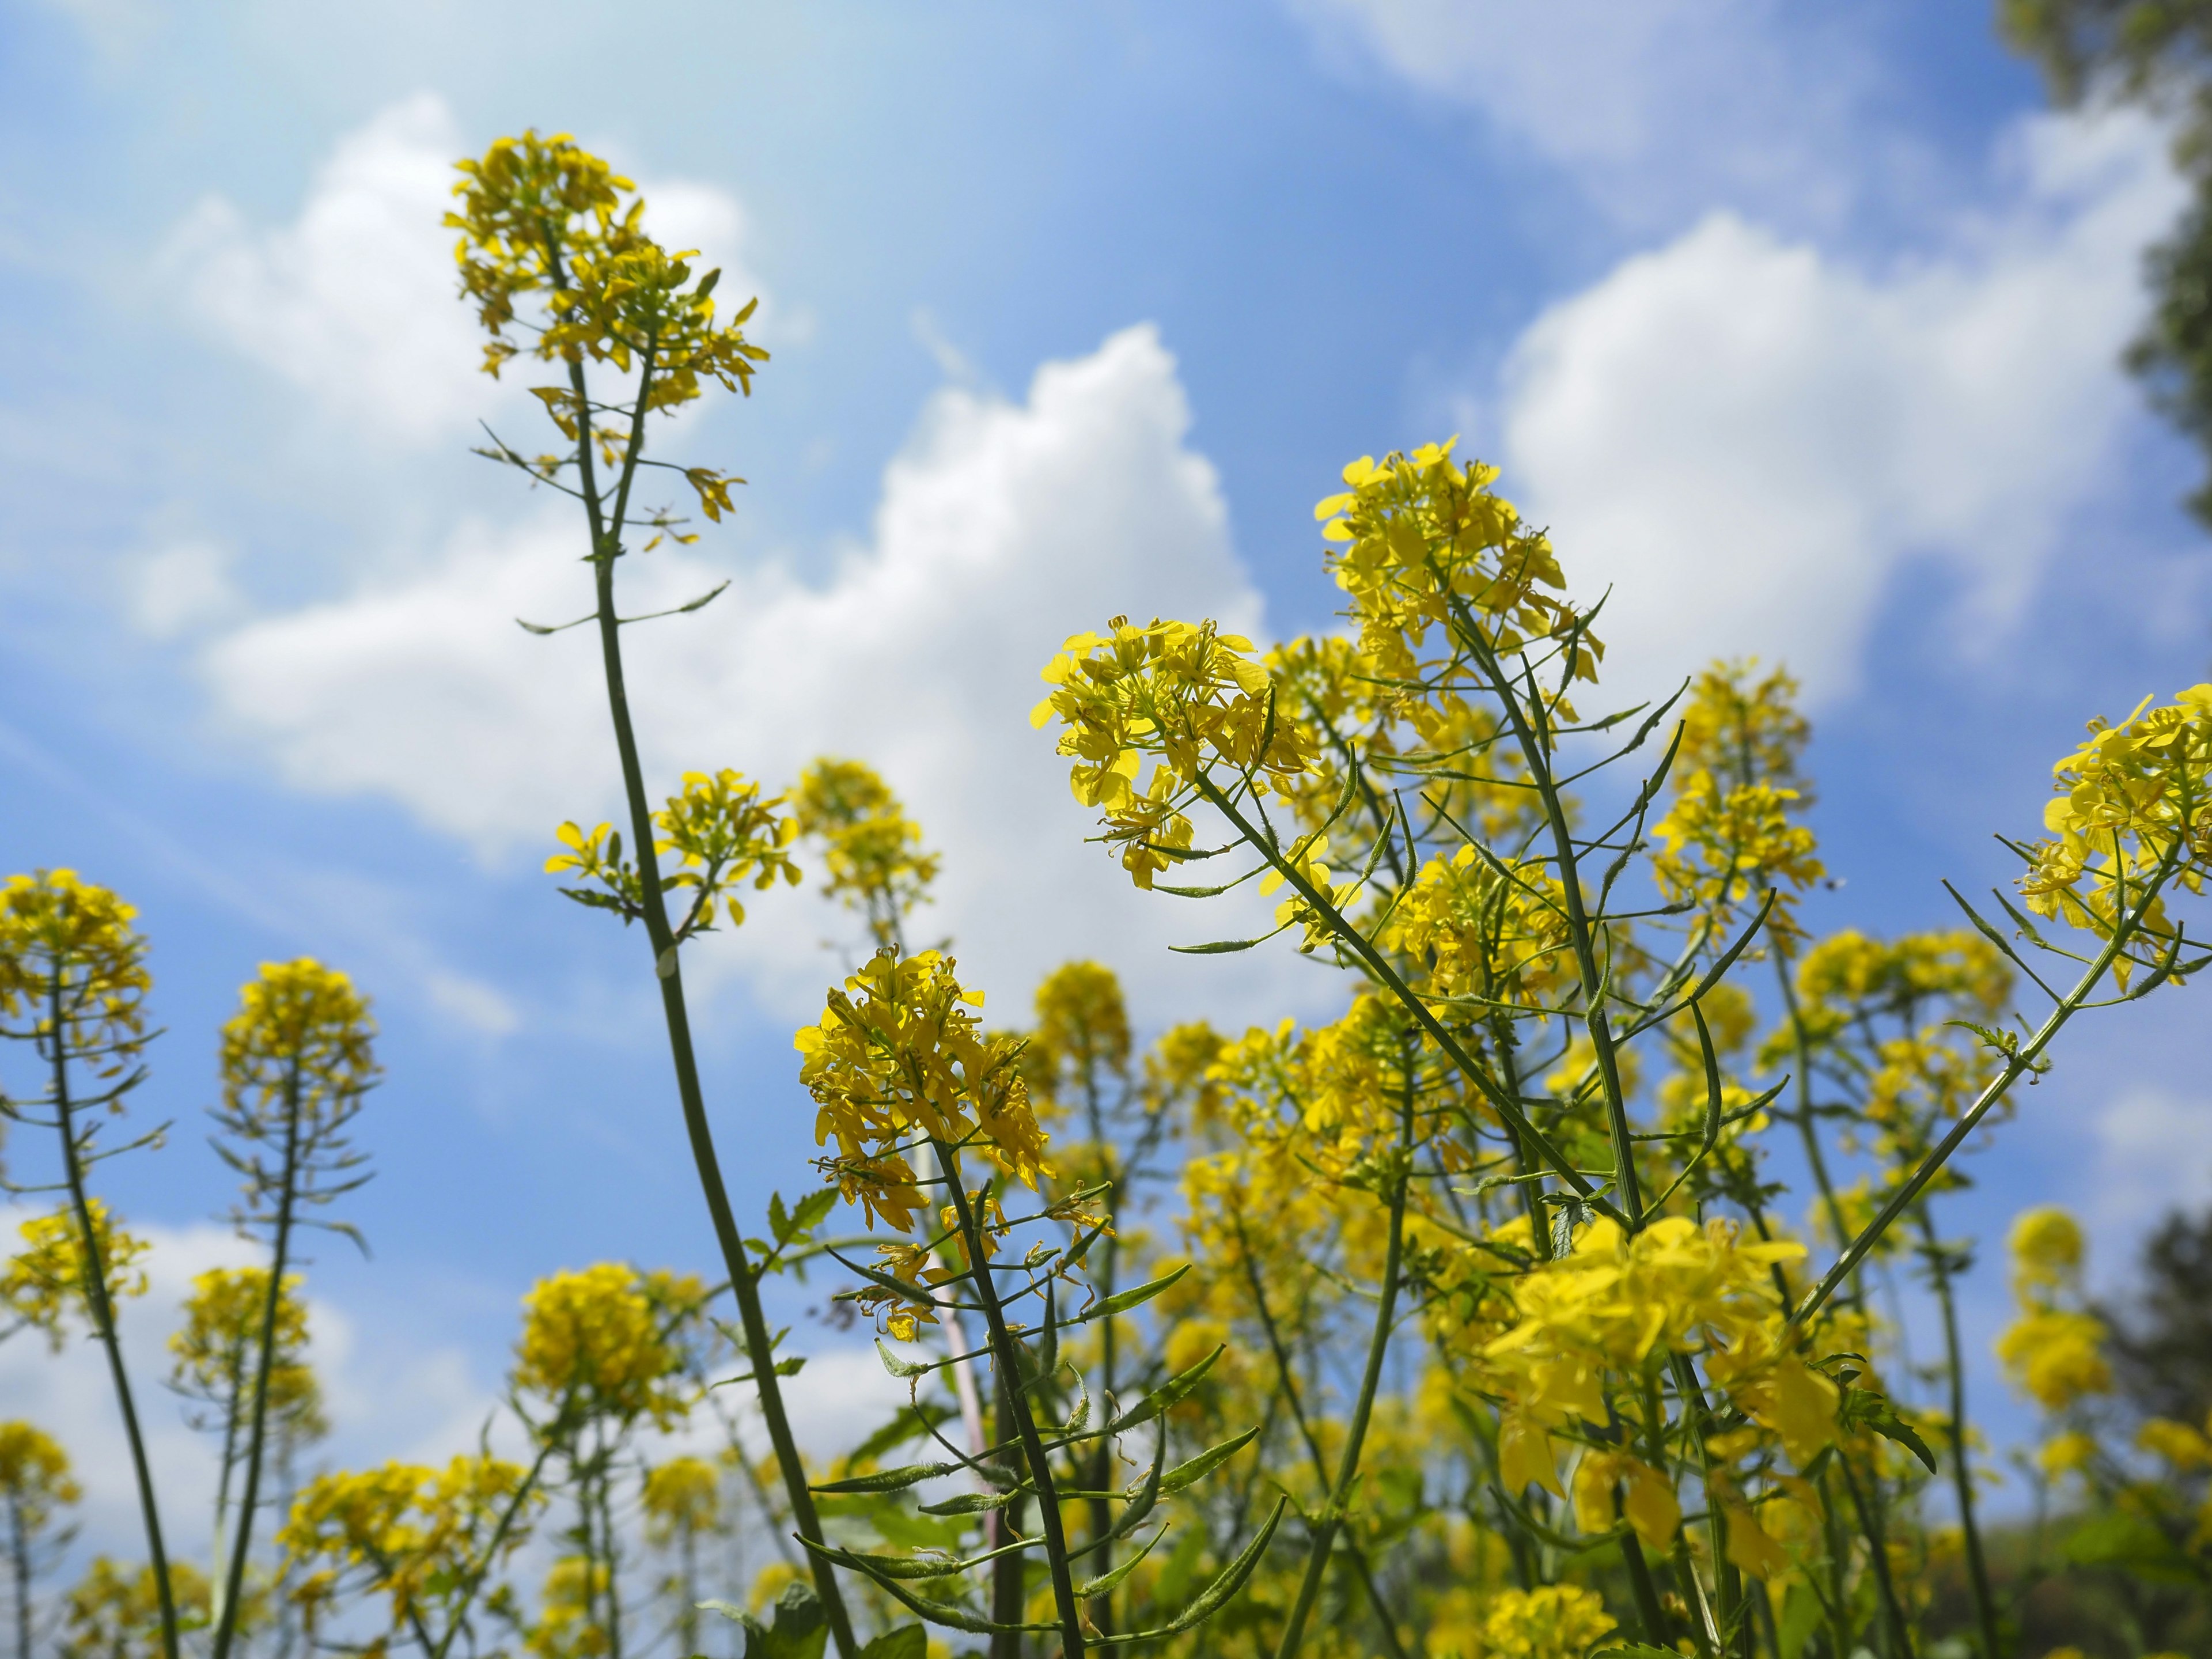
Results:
<point x="1962" y="1473"/>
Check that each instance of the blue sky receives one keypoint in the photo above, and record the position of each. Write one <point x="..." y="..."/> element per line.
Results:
<point x="1800" y="330"/>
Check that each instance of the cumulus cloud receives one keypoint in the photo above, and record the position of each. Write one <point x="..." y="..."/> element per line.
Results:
<point x="353" y="301"/>
<point x="1745" y="437"/>
<point x="1651" y="107"/>
<point x="1003" y="526"/>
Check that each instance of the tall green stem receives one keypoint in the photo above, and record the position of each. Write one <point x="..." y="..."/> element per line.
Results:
<point x="1378" y="1346"/>
<point x="759" y="1348"/>
<point x="94" y="1275"/>
<point x="257" y="1438"/>
<point x="1962" y="1473"/>
<point x="1016" y="1402"/>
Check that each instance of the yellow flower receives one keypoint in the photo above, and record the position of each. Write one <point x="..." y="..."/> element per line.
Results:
<point x="216" y="1350"/>
<point x="1418" y="535"/>
<point x="2185" y="1448"/>
<point x="1493" y="929"/>
<point x="1743" y="729"/>
<point x="544" y="221"/>
<point x="1722" y="846"/>
<point x="403" y="1531"/>
<point x="1647" y="1503"/>
<point x="684" y="1494"/>
<point x="2057" y="1355"/>
<point x="67" y="950"/>
<point x="607" y="1339"/>
<point x="877" y="864"/>
<point x="44" y="1283"/>
<point x="114" y="1611"/>
<point x="2066" y="1454"/>
<point x="34" y="1473"/>
<point x="900" y="1052"/>
<point x="2047" y="1251"/>
<point x="299" y="1027"/>
<point x="2130" y="799"/>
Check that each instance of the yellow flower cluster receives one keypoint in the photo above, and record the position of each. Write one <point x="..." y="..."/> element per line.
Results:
<point x="2132" y="796"/>
<point x="34" y="1473"/>
<point x="44" y="1284"/>
<point x="1722" y="846"/>
<point x="900" y="1054"/>
<point x="683" y="1495"/>
<point x="1745" y="730"/>
<point x="213" y="1352"/>
<point x="114" y="1611"/>
<point x="1849" y="974"/>
<point x="1551" y="1621"/>
<point x="1616" y="1307"/>
<point x="2053" y="1350"/>
<point x="721" y="832"/>
<point x="1184" y="693"/>
<point x="1490" y="930"/>
<point x="406" y="1531"/>
<point x="539" y="216"/>
<point x="68" y="953"/>
<point x="873" y="850"/>
<point x="1419" y="534"/>
<point x="300" y="1026"/>
<point x="605" y="1341"/>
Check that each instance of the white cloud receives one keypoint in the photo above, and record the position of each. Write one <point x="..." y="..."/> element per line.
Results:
<point x="1652" y="107"/>
<point x="384" y="1400"/>
<point x="2152" y="1155"/>
<point x="355" y="301"/>
<point x="185" y="586"/>
<point x="1002" y="528"/>
<point x="1745" y="438"/>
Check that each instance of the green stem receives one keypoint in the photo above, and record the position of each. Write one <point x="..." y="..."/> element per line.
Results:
<point x="1508" y="1109"/>
<point x="1534" y="741"/>
<point x="1962" y="1473"/>
<point x="95" y="1285"/>
<point x="1378" y="1346"/>
<point x="257" y="1439"/>
<point x="759" y="1348"/>
<point x="1016" y="1405"/>
<point x="1286" y="1381"/>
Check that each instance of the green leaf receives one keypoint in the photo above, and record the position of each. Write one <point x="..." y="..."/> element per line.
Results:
<point x="898" y="1479"/>
<point x="906" y="1642"/>
<point x="798" y="1630"/>
<point x="1220" y="946"/>
<point x="1890" y="1426"/>
<point x="1122" y="1301"/>
<point x="1169" y="1394"/>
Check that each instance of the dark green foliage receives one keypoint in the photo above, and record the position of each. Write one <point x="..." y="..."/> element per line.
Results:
<point x="2157" y="53"/>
